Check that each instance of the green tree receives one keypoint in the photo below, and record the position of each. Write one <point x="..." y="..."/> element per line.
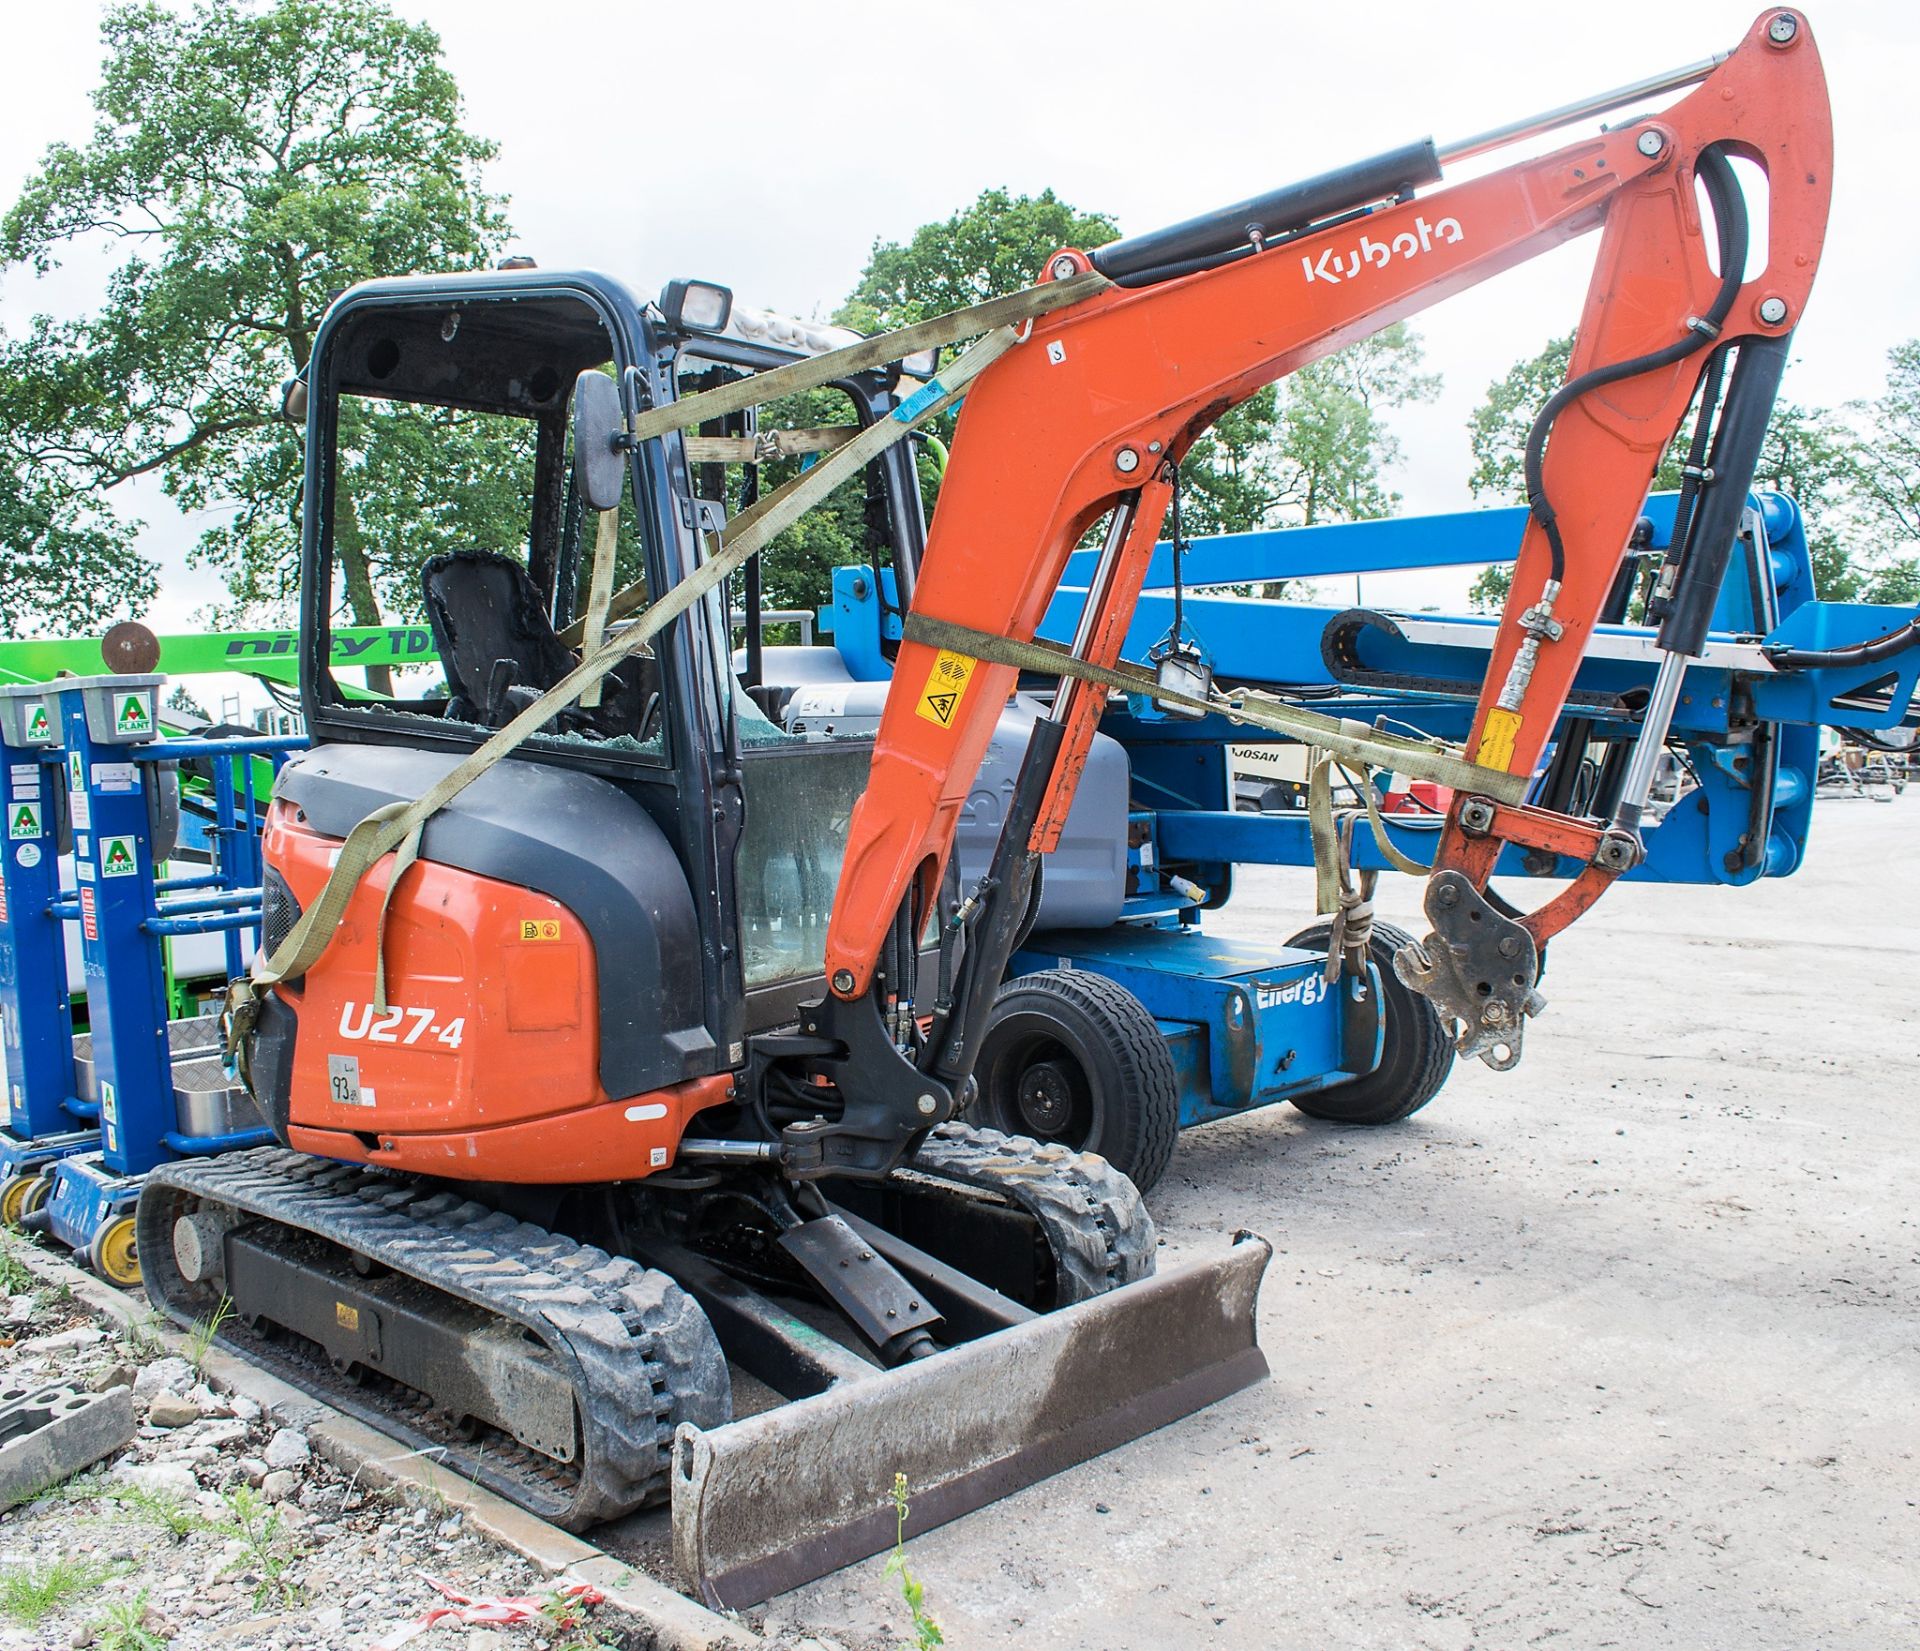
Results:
<point x="1808" y="453"/>
<point x="1311" y="448"/>
<point x="181" y="700"/>
<point x="993" y="246"/>
<point x="71" y="566"/>
<point x="1882" y="470"/>
<point x="248" y="160"/>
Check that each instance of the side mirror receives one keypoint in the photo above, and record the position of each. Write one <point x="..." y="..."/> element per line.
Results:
<point x="599" y="458"/>
<point x="293" y="401"/>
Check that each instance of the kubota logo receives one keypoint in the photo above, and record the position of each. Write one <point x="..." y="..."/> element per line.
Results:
<point x="1336" y="266"/>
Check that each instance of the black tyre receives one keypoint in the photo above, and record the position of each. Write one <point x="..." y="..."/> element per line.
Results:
<point x="1417" y="1054"/>
<point x="1071" y="1057"/>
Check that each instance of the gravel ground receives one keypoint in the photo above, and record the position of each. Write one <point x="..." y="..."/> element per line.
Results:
<point x="220" y="1529"/>
<point x="1616" y="1349"/>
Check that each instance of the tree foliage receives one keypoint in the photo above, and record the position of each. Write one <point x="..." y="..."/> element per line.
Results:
<point x="1311" y="448"/>
<point x="993" y="246"/>
<point x="1881" y="463"/>
<point x="71" y="566"/>
<point x="1857" y="485"/>
<point x="247" y="161"/>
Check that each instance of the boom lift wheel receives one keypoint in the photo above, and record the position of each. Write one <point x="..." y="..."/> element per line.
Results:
<point x="1415" y="1058"/>
<point x="23" y="1195"/>
<point x="113" y="1254"/>
<point x="1075" y="1058"/>
<point x="14" y="1192"/>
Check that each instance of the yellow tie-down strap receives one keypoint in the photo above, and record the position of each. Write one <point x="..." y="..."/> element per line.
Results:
<point x="1350" y="742"/>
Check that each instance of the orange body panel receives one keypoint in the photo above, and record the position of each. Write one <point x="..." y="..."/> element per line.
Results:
<point x="485" y="1064"/>
<point x="1058" y="431"/>
<point x="614" y="1141"/>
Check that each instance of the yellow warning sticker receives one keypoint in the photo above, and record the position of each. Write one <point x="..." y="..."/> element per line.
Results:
<point x="1496" y="739"/>
<point x="546" y="929"/>
<point x="348" y="1318"/>
<point x="946" y="684"/>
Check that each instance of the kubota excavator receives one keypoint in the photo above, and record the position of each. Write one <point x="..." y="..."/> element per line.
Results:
<point x="618" y="1037"/>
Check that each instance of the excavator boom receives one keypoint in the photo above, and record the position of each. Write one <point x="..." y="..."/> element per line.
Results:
<point x="1089" y="418"/>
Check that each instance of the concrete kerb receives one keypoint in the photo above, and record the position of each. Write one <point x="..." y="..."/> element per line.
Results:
<point x="674" y="1622"/>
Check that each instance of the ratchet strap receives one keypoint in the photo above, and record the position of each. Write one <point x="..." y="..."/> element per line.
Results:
<point x="606" y="546"/>
<point x="1349" y="741"/>
<point x="397" y="827"/>
<point x="1013" y="315"/>
<point x="1333" y="740"/>
<point x="767" y="445"/>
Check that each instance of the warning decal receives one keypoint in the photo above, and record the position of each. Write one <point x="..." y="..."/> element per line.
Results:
<point x="545" y="929"/>
<point x="946" y="684"/>
<point x="23" y="820"/>
<point x="1495" y="749"/>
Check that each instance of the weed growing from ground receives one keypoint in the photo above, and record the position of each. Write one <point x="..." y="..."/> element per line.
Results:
<point x="142" y="1336"/>
<point x="124" y="1627"/>
<point x="270" y="1548"/>
<point x="174" y="1514"/>
<point x="926" y="1632"/>
<point x="571" y="1631"/>
<point x="205" y="1328"/>
<point x="16" y="1277"/>
<point x="29" y="1595"/>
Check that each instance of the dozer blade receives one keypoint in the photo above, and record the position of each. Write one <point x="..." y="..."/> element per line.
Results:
<point x="774" y="1500"/>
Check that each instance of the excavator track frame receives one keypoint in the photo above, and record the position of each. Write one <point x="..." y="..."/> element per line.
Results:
<point x="606" y="1320"/>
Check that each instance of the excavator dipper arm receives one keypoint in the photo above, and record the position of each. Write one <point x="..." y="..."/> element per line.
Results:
<point x="1085" y="420"/>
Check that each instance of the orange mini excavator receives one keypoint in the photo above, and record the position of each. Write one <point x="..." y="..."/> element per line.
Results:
<point x="621" y="1040"/>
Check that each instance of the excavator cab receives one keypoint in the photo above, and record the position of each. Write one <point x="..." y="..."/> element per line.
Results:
<point x="676" y="758"/>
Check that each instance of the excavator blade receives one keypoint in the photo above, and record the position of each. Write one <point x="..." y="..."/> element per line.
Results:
<point x="771" y="1501"/>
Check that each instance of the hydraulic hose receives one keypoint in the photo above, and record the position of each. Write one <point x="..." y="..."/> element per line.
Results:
<point x="1696" y="465"/>
<point x="1730" y="219"/>
<point x="1871" y="652"/>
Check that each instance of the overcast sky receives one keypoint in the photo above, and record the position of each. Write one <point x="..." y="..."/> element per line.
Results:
<point x="768" y="145"/>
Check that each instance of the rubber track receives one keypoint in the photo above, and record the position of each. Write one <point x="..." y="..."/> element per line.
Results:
<point x="1095" y="1224"/>
<point x="639" y="1354"/>
<point x="623" y="1332"/>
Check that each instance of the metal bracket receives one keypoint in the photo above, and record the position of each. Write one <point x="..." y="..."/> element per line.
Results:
<point x="1538" y="621"/>
<point x="1476" y="816"/>
<point x="1478" y="969"/>
<point x="1619" y="851"/>
<point x="890" y="1311"/>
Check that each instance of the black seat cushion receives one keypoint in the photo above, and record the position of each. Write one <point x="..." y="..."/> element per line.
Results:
<point x="501" y="652"/>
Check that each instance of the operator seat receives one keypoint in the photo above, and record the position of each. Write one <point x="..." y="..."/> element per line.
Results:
<point x="501" y="652"/>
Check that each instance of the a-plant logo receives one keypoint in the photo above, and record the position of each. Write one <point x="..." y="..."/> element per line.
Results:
<point x="1334" y="266"/>
<point x="39" y="724"/>
<point x="118" y="857"/>
<point x="134" y="718"/>
<point x="23" y="820"/>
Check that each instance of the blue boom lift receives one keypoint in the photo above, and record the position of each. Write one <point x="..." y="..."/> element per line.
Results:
<point x="1243" y="1023"/>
